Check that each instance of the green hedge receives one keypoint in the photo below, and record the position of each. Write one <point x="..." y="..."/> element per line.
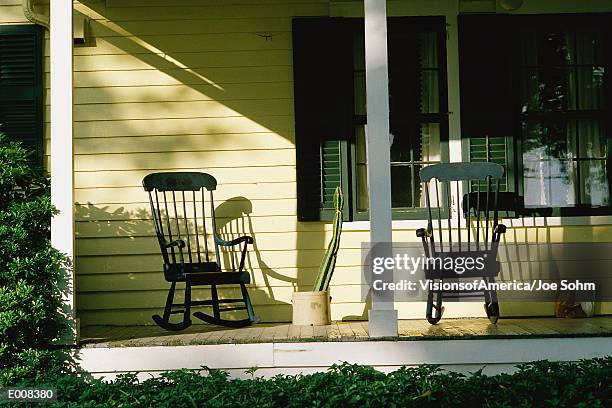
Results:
<point x="30" y="317"/>
<point x="539" y="384"/>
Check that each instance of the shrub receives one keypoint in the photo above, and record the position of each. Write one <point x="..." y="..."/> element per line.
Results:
<point x="538" y="384"/>
<point x="30" y="317"/>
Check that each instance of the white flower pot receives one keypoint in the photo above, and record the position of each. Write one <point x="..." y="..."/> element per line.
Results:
<point x="311" y="308"/>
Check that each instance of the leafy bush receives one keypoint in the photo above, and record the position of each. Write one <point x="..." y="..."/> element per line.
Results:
<point x="539" y="384"/>
<point x="30" y="315"/>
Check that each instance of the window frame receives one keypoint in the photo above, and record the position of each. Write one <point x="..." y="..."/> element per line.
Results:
<point x="514" y="148"/>
<point x="417" y="24"/>
<point x="564" y="20"/>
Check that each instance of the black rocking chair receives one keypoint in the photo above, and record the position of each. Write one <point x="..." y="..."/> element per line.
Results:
<point x="179" y="215"/>
<point x="480" y="211"/>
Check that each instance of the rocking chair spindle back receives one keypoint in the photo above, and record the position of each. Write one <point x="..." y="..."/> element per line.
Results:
<point x="477" y="235"/>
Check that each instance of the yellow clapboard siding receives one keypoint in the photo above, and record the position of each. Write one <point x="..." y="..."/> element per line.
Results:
<point x="272" y="261"/>
<point x="215" y="59"/>
<point x="280" y="241"/>
<point x="132" y="317"/>
<point x="181" y="92"/>
<point x="145" y="30"/>
<point x="125" y="211"/>
<point x="12" y="14"/>
<point x="158" y="49"/>
<point x="182" y="143"/>
<point x="154" y="279"/>
<point x="186" y="109"/>
<point x="283" y="125"/>
<point x="133" y="178"/>
<point x="211" y="11"/>
<point x="181" y="160"/>
<point x="115" y="39"/>
<point x="156" y="298"/>
<point x="242" y="24"/>
<point x="269" y="241"/>
<point x="184" y="3"/>
<point x="237" y="224"/>
<point x="262" y="191"/>
<point x="133" y="257"/>
<point x="217" y="77"/>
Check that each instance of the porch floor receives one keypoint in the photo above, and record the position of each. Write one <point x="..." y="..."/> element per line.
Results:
<point x="447" y="329"/>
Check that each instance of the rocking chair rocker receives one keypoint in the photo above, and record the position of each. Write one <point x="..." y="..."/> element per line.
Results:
<point x="483" y="229"/>
<point x="178" y="206"/>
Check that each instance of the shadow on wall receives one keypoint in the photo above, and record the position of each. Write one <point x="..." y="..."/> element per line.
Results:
<point x="187" y="87"/>
<point x="120" y="267"/>
<point x="248" y="73"/>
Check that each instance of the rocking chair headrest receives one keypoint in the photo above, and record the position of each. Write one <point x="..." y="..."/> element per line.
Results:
<point x="462" y="171"/>
<point x="179" y="181"/>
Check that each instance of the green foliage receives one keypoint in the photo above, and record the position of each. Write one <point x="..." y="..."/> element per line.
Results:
<point x="539" y="384"/>
<point x="29" y="269"/>
<point x="328" y="263"/>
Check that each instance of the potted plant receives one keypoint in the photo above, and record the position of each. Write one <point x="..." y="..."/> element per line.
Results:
<point x="311" y="308"/>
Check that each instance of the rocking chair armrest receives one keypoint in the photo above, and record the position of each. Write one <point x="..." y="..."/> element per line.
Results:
<point x="423" y="233"/>
<point x="244" y="238"/>
<point x="176" y="243"/>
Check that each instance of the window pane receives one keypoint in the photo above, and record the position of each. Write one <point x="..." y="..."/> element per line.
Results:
<point x="548" y="182"/>
<point x="360" y="165"/>
<point x="430" y="143"/>
<point x="430" y="101"/>
<point x="401" y="186"/>
<point x="359" y="73"/>
<point x="562" y="70"/>
<point x="589" y="47"/>
<point x="405" y="184"/>
<point x="590" y="87"/>
<point x="586" y="139"/>
<point x="594" y="183"/>
<point x="548" y="172"/>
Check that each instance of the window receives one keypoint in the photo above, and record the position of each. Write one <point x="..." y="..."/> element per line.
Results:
<point x="545" y="82"/>
<point x="329" y="69"/>
<point x="21" y="100"/>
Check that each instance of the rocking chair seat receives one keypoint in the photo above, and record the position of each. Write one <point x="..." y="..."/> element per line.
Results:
<point x="218" y="278"/>
<point x="195" y="267"/>
<point x="206" y="273"/>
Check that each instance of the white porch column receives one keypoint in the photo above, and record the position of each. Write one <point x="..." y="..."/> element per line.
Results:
<point x="62" y="225"/>
<point x="382" y="316"/>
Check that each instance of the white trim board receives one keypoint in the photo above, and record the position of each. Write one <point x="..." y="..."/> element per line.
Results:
<point x="292" y="358"/>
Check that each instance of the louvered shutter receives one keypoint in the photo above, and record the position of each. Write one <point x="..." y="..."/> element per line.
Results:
<point x="487" y="85"/>
<point x="21" y="103"/>
<point x="323" y="94"/>
<point x="491" y="149"/>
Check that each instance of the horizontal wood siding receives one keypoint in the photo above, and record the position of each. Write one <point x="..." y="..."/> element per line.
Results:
<point x="203" y="86"/>
<point x="206" y="86"/>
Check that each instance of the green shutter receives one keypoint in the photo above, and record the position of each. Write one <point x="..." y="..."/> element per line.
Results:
<point x="21" y="100"/>
<point x="323" y="94"/>
<point x="491" y="149"/>
<point x="488" y="115"/>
